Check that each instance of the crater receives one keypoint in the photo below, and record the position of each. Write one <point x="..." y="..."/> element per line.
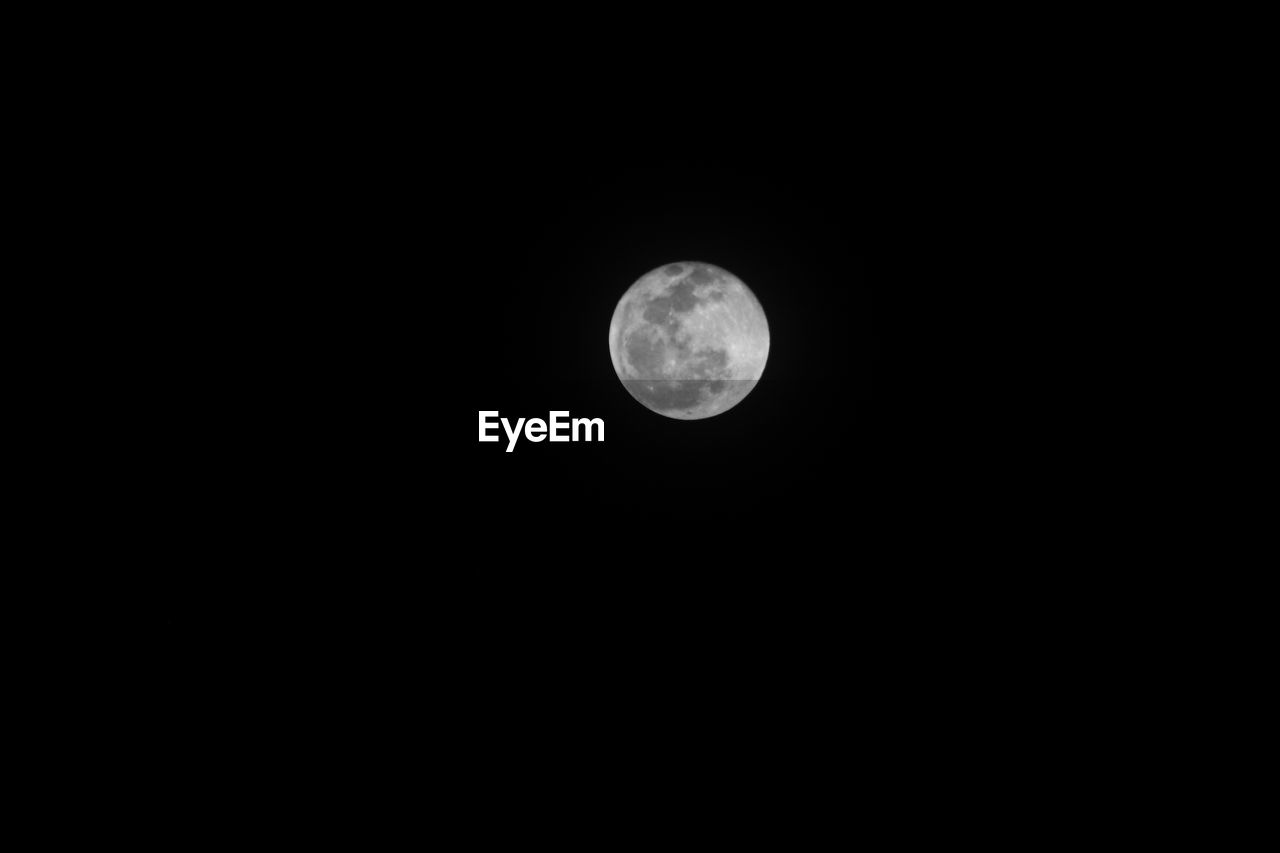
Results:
<point x="701" y="275"/>
<point x="711" y="361"/>
<point x="682" y="298"/>
<point x="645" y="354"/>
<point x="658" y="309"/>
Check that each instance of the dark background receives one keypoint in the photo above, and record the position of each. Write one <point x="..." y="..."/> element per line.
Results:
<point x="375" y="257"/>
<point x="480" y="272"/>
<point x="375" y="264"/>
<point x="385" y="263"/>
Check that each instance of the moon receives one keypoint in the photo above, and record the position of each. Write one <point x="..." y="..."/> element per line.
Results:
<point x="689" y="340"/>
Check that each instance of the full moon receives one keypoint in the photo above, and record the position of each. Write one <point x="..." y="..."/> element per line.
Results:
<point x="689" y="340"/>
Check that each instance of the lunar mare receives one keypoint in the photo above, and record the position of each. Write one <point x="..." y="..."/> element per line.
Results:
<point x="689" y="340"/>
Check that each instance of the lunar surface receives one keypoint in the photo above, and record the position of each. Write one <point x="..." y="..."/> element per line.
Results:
<point x="689" y="340"/>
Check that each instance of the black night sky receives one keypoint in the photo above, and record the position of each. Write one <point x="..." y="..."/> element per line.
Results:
<point x="474" y="263"/>
<point x="355" y="264"/>
<point x="370" y="286"/>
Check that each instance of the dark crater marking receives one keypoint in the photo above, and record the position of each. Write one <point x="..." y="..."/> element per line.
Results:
<point x="701" y="275"/>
